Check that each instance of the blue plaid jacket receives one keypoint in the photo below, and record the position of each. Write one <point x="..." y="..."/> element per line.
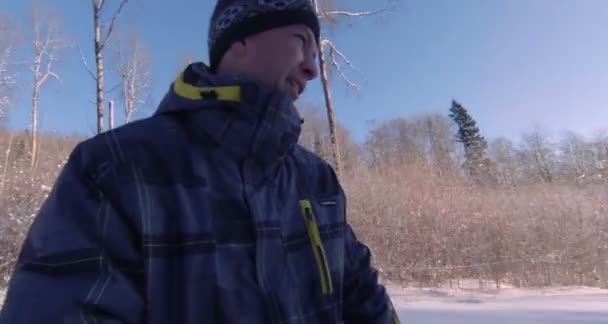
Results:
<point x="206" y="212"/>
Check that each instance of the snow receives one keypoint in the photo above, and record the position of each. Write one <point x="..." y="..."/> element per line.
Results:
<point x="504" y="306"/>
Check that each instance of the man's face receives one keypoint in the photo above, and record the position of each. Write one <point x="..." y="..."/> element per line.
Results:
<point x="282" y="58"/>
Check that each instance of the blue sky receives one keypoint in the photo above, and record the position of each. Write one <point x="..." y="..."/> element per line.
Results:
<point x="512" y="63"/>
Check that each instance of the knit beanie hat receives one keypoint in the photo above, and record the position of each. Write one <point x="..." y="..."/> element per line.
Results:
<point x="234" y="20"/>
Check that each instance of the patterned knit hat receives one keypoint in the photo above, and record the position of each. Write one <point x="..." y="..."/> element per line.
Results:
<point x="234" y="20"/>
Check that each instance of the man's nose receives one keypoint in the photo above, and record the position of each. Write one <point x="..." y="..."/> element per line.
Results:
<point x="310" y="68"/>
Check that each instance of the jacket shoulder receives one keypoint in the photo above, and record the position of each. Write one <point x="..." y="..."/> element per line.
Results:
<point x="143" y="141"/>
<point x="318" y="174"/>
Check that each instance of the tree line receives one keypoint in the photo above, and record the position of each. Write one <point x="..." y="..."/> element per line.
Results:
<point x="452" y="145"/>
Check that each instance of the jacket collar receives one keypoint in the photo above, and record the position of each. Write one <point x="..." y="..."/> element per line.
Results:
<point x="240" y="115"/>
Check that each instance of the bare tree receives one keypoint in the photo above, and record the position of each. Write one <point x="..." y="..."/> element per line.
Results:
<point x="397" y="143"/>
<point x="539" y="151"/>
<point x="47" y="43"/>
<point x="102" y="33"/>
<point x="504" y="154"/>
<point x="577" y="160"/>
<point x="315" y="137"/>
<point x="7" y="74"/>
<point x="600" y="152"/>
<point x="134" y="67"/>
<point x="328" y="54"/>
<point x="441" y="146"/>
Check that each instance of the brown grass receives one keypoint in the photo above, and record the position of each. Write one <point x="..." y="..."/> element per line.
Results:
<point x="425" y="230"/>
<point x="23" y="189"/>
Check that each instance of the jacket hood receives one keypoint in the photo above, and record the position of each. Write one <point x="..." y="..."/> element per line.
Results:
<point x="239" y="114"/>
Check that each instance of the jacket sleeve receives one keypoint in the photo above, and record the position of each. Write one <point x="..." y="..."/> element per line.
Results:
<point x="365" y="300"/>
<point x="79" y="262"/>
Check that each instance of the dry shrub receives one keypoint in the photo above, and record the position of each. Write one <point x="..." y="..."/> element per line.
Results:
<point x="430" y="230"/>
<point x="23" y="188"/>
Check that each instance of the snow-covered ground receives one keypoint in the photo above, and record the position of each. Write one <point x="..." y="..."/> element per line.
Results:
<point x="504" y="306"/>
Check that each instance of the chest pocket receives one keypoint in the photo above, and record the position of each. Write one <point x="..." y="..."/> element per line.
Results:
<point x="316" y="254"/>
<point x="316" y="243"/>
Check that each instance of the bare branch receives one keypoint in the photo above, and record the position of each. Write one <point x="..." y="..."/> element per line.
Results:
<point x="55" y="76"/>
<point x="132" y="63"/>
<point x="330" y="15"/>
<point x="49" y="73"/>
<point x="335" y="49"/>
<point x="339" y="69"/>
<point x="113" y="88"/>
<point x="45" y="47"/>
<point x="332" y="54"/>
<point x="112" y="22"/>
<point x="84" y="61"/>
<point x="352" y="14"/>
<point x="99" y="4"/>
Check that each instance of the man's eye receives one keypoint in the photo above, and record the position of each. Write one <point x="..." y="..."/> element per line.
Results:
<point x="301" y="37"/>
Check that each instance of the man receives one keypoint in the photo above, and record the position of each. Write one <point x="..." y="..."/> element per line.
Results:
<point x="208" y="211"/>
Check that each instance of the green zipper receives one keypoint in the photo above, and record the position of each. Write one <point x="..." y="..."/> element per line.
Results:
<point x="317" y="247"/>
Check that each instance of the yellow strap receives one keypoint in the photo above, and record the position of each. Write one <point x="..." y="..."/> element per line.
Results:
<point x="226" y="93"/>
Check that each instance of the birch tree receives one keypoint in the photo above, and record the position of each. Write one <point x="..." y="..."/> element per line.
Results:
<point x="46" y="44"/>
<point x="332" y="59"/>
<point x="134" y="66"/>
<point x="102" y="32"/>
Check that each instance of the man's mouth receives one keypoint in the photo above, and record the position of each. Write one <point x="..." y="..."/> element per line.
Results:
<point x="296" y="88"/>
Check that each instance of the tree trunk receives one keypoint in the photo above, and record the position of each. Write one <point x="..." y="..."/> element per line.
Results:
<point x="35" y="96"/>
<point x="331" y="117"/>
<point x="7" y="155"/>
<point x="99" y="64"/>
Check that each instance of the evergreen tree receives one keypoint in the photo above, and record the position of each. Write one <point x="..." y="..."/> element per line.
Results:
<point x="477" y="162"/>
